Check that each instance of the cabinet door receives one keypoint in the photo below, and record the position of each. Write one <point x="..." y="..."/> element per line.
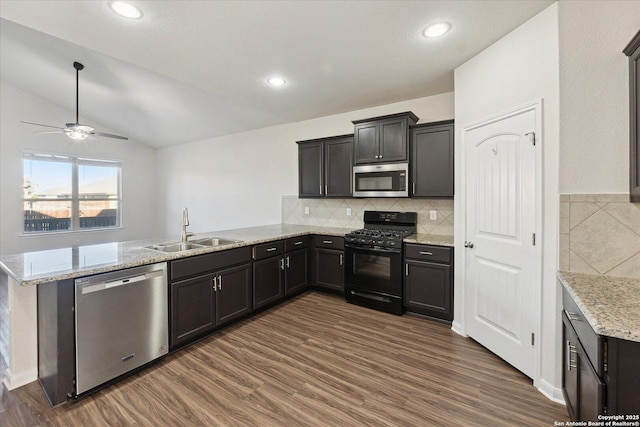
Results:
<point x="365" y="143"/>
<point x="428" y="289"/>
<point x="329" y="269"/>
<point x="268" y="280"/>
<point x="233" y="294"/>
<point x="569" y="368"/>
<point x="393" y="140"/>
<point x="297" y="271"/>
<point x="310" y="170"/>
<point x="338" y="167"/>
<point x="192" y="308"/>
<point x="590" y="389"/>
<point x="432" y="161"/>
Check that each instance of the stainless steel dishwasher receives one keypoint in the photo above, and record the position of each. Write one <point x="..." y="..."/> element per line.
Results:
<point x="121" y="323"/>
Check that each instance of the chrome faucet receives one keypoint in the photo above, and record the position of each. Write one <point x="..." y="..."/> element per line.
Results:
<point x="185" y="222"/>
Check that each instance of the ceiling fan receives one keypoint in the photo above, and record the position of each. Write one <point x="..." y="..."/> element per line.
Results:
<point x="76" y="130"/>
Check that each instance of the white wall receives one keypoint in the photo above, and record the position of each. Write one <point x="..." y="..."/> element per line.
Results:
<point x="519" y="68"/>
<point x="594" y="94"/>
<point x="238" y="180"/>
<point x="138" y="173"/>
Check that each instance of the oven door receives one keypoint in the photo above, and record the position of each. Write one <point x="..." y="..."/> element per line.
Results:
<point x="375" y="270"/>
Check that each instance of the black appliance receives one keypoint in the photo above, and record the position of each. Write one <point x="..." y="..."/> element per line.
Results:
<point x="373" y="260"/>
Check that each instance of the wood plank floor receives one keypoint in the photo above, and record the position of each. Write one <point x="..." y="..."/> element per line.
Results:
<point x="313" y="361"/>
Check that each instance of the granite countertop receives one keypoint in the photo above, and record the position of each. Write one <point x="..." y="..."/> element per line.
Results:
<point x="34" y="268"/>
<point x="611" y="305"/>
<point x="430" y="239"/>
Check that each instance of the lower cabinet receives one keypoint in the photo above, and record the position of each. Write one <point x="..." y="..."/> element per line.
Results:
<point x="328" y="265"/>
<point x="207" y="291"/>
<point x="280" y="268"/>
<point x="428" y="285"/>
<point x="600" y="374"/>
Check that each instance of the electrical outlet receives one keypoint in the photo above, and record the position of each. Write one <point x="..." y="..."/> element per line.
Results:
<point x="433" y="215"/>
<point x="306" y="210"/>
<point x="348" y="211"/>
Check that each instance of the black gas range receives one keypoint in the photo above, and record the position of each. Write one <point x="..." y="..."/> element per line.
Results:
<point x="373" y="260"/>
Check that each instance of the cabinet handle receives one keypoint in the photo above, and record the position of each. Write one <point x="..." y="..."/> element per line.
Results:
<point x="413" y="191"/>
<point x="282" y="263"/>
<point x="215" y="283"/>
<point x="326" y="189"/>
<point x="426" y="253"/>
<point x="287" y="262"/>
<point x="570" y="349"/>
<point x="297" y="243"/>
<point x="271" y="249"/>
<point x="219" y="283"/>
<point x="253" y="252"/>
<point x="406" y="269"/>
<point x="572" y="316"/>
<point x="327" y="242"/>
<point x="341" y="259"/>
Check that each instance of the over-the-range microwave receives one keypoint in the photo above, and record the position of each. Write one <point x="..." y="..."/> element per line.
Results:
<point x="382" y="180"/>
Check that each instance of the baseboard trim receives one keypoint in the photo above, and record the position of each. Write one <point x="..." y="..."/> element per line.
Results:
<point x="13" y="381"/>
<point x="458" y="329"/>
<point x="552" y="393"/>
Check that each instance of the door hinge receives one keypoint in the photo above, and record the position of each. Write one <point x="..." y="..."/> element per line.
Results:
<point x="532" y="137"/>
<point x="533" y="239"/>
<point x="533" y="338"/>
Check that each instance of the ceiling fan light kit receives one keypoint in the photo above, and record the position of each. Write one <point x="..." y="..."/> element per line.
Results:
<point x="76" y="130"/>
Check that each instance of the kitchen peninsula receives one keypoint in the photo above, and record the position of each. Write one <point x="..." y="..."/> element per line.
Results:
<point x="59" y="265"/>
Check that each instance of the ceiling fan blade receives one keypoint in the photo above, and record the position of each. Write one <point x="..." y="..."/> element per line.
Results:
<point x="49" y="131"/>
<point x="109" y="135"/>
<point x="40" y="124"/>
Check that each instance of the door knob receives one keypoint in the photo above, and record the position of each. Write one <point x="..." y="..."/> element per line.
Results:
<point x="468" y="244"/>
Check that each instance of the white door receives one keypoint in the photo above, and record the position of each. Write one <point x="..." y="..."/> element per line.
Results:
<point x="502" y="280"/>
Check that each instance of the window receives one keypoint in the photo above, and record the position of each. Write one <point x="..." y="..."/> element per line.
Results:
<point x="64" y="193"/>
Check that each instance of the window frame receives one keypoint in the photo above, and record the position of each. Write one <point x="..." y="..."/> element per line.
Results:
<point x="75" y="200"/>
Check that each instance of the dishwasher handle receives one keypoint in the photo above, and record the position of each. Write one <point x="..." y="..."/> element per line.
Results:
<point x="95" y="287"/>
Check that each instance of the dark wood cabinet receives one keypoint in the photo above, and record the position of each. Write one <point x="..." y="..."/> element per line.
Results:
<point x="207" y="291"/>
<point x="428" y="284"/>
<point x="297" y="265"/>
<point x="432" y="160"/>
<point x="382" y="139"/>
<point x="268" y="269"/>
<point x="280" y="269"/>
<point x="583" y="388"/>
<point x="599" y="374"/>
<point x="328" y="265"/>
<point x="325" y="167"/>
<point x="632" y="50"/>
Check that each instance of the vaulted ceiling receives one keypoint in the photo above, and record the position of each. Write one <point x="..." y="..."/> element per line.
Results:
<point x="191" y="70"/>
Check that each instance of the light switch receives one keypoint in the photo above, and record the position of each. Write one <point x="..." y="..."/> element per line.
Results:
<point x="306" y="210"/>
<point x="433" y="215"/>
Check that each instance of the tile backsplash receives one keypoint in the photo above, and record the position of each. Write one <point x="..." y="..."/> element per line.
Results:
<point x="600" y="234"/>
<point x="333" y="212"/>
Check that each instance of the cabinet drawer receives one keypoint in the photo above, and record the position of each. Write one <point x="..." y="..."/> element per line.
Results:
<point x="295" y="243"/>
<point x="267" y="250"/>
<point x="199" y="264"/>
<point x="591" y="342"/>
<point x="428" y="253"/>
<point x="329" y="242"/>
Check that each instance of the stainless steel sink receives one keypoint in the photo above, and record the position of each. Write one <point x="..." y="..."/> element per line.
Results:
<point x="214" y="241"/>
<point x="176" y="247"/>
<point x="206" y="242"/>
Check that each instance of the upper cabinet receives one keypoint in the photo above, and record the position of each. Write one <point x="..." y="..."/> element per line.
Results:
<point x="382" y="139"/>
<point x="633" y="52"/>
<point x="325" y="167"/>
<point x="432" y="160"/>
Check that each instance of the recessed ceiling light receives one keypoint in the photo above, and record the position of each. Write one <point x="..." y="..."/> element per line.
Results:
<point x="276" y="81"/>
<point x="436" y="30"/>
<point x="125" y="9"/>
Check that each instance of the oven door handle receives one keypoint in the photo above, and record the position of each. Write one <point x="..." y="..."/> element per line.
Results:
<point x="377" y="249"/>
